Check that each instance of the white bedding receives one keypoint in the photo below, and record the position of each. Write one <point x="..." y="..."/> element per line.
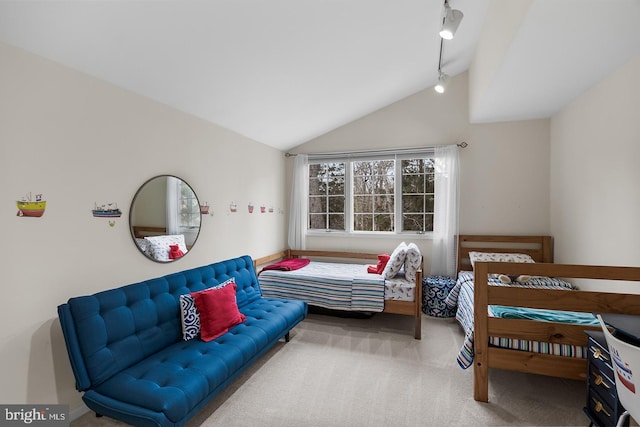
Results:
<point x="336" y="286"/>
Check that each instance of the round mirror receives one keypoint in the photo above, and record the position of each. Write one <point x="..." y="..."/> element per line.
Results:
<point x="165" y="218"/>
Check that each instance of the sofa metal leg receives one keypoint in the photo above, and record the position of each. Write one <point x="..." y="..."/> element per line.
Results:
<point x="98" y="415"/>
<point x="287" y="337"/>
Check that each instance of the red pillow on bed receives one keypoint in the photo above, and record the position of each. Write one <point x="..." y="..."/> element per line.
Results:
<point x="218" y="311"/>
<point x="383" y="259"/>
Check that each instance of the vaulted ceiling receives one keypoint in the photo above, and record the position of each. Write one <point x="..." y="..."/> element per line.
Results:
<point x="285" y="71"/>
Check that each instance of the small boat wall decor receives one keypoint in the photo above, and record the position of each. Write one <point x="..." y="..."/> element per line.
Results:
<point x="107" y="210"/>
<point x="204" y="209"/>
<point x="31" y="208"/>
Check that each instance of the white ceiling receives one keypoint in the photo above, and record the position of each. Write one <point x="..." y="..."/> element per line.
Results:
<point x="285" y="71"/>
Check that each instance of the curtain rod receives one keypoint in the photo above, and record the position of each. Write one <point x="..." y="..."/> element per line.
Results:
<point x="462" y="144"/>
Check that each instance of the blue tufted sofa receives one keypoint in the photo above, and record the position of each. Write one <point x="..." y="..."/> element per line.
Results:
<point x="128" y="356"/>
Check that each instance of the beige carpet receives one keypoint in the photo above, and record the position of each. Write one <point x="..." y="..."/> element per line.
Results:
<point x="371" y="372"/>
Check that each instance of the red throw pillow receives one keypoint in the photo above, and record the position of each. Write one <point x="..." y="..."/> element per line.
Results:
<point x="383" y="259"/>
<point x="218" y="311"/>
<point x="175" y="252"/>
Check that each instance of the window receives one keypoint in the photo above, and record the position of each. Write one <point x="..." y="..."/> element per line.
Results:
<point x="417" y="194"/>
<point x="326" y="196"/>
<point x="188" y="207"/>
<point x="372" y="195"/>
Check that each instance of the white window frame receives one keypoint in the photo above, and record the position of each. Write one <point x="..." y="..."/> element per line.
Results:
<point x="348" y="192"/>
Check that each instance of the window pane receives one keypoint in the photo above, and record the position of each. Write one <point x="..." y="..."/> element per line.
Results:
<point x="363" y="204"/>
<point x="429" y="165"/>
<point x="317" y="221"/>
<point x="429" y="187"/>
<point x="384" y="222"/>
<point x="412" y="166"/>
<point x="336" y="204"/>
<point x="317" y="204"/>
<point x="413" y="203"/>
<point x="413" y="222"/>
<point x="362" y="222"/>
<point x="373" y="189"/>
<point x="335" y="186"/>
<point x="413" y="184"/>
<point x="383" y="204"/>
<point x="335" y="169"/>
<point x="430" y="204"/>
<point x="417" y="194"/>
<point x="188" y="208"/>
<point x="362" y="185"/>
<point x="316" y="170"/>
<point x="317" y="187"/>
<point x="428" y="223"/>
<point x="336" y="222"/>
<point x="326" y="194"/>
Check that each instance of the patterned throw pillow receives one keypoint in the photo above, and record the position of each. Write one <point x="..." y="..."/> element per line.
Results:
<point x="189" y="313"/>
<point x="501" y="257"/>
<point x="395" y="262"/>
<point x="498" y="257"/>
<point x="412" y="262"/>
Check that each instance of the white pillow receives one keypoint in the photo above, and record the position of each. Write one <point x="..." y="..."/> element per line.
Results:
<point x="396" y="261"/>
<point x="158" y="246"/>
<point x="412" y="262"/>
<point x="498" y="257"/>
<point x="189" y="315"/>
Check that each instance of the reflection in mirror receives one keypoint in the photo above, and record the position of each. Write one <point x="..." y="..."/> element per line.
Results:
<point x="165" y="218"/>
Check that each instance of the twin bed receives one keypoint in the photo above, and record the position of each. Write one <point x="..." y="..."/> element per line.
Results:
<point x="555" y="346"/>
<point x="538" y="343"/>
<point x="343" y="286"/>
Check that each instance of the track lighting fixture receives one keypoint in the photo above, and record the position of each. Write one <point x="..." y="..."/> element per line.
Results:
<point x="443" y="79"/>
<point x="451" y="21"/>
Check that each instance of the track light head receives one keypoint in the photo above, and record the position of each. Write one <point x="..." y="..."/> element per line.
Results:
<point x="452" y="18"/>
<point x="443" y="80"/>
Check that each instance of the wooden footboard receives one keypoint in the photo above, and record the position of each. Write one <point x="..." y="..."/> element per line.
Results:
<point x="561" y="333"/>
<point x="408" y="308"/>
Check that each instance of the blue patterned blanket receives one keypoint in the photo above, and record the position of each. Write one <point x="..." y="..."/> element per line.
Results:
<point x="461" y="296"/>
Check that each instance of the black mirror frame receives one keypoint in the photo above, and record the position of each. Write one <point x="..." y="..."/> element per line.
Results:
<point x="131" y="210"/>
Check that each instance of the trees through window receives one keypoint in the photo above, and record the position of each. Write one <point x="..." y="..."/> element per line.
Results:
<point x="381" y="195"/>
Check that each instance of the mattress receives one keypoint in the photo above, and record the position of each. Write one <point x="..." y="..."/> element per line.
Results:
<point x="336" y="286"/>
<point x="462" y="297"/>
<point x="399" y="289"/>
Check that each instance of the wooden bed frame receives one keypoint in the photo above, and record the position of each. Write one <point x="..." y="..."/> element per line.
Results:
<point x="580" y="301"/>
<point x="407" y="308"/>
<point x="142" y="231"/>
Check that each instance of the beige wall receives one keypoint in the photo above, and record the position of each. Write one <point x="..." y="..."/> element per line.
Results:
<point x="595" y="199"/>
<point x="79" y="141"/>
<point x="504" y="171"/>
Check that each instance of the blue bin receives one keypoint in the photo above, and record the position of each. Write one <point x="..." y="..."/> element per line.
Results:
<point x="434" y="291"/>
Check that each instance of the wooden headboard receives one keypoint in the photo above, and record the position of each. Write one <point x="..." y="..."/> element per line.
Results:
<point x="142" y="231"/>
<point x="540" y="248"/>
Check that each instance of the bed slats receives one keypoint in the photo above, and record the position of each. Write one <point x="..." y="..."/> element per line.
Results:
<point x="579" y="301"/>
<point x="535" y="363"/>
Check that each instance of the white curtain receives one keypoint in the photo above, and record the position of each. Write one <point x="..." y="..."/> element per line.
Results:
<point x="173" y="192"/>
<point x="298" y="207"/>
<point x="445" y="220"/>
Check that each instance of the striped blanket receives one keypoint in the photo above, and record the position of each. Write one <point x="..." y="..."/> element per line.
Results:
<point x="329" y="285"/>
<point x="462" y="297"/>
